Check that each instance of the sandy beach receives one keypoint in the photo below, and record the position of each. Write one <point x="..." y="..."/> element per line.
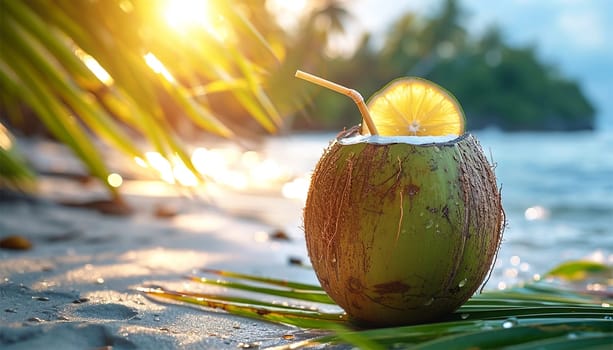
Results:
<point x="76" y="288"/>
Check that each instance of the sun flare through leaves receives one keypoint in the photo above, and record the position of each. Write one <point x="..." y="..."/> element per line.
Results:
<point x="183" y="16"/>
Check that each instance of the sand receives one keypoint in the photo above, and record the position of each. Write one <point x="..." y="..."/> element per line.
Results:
<point x="77" y="287"/>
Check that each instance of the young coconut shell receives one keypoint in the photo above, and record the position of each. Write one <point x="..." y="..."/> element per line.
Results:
<point x="402" y="233"/>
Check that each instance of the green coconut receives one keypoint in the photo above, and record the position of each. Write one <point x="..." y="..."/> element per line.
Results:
<point x="402" y="233"/>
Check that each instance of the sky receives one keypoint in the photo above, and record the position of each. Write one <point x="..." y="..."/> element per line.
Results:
<point x="574" y="35"/>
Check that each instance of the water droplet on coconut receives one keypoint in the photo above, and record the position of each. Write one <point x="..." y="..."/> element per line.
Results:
<point x="464" y="316"/>
<point x="462" y="283"/>
<point x="156" y="318"/>
<point x="510" y="322"/>
<point x="429" y="302"/>
<point x="429" y="224"/>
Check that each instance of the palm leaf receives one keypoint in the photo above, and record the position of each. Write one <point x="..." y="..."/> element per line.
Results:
<point x="14" y="172"/>
<point x="50" y="41"/>
<point x="55" y="115"/>
<point x="538" y="315"/>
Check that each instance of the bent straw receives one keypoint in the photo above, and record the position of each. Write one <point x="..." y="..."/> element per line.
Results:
<point x="353" y="94"/>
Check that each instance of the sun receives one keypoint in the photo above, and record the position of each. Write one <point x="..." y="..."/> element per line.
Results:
<point x="187" y="16"/>
<point x="183" y="14"/>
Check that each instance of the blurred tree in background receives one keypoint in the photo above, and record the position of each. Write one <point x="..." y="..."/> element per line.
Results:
<point x="171" y="71"/>
<point x="497" y="85"/>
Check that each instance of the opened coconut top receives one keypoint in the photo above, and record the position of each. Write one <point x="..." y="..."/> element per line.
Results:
<point x="386" y="140"/>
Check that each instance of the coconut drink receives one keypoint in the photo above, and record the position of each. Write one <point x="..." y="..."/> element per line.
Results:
<point x="403" y="216"/>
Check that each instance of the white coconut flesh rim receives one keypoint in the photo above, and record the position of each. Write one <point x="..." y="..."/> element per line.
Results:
<point x="386" y="140"/>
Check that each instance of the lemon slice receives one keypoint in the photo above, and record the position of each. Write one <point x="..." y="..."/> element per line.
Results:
<point x="415" y="106"/>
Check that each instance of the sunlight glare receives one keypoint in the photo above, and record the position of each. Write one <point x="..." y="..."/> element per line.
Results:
<point x="184" y="175"/>
<point x="599" y="257"/>
<point x="180" y="14"/>
<point x="168" y="260"/>
<point x="266" y="171"/>
<point x="206" y="161"/>
<point x="162" y="165"/>
<point x="536" y="213"/>
<point x="511" y="273"/>
<point x="236" y="180"/>
<point x="250" y="158"/>
<point x="158" y="67"/>
<point x="230" y="168"/>
<point x="94" y="67"/>
<point x="141" y="162"/>
<point x="185" y="15"/>
<point x="297" y="188"/>
<point x="173" y="171"/>
<point x="5" y="140"/>
<point x="114" y="180"/>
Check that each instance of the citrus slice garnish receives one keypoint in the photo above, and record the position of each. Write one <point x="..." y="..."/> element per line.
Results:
<point x="417" y="107"/>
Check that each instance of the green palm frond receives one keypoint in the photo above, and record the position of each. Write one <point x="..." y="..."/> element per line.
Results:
<point x="14" y="172"/>
<point x="116" y="69"/>
<point x="538" y="315"/>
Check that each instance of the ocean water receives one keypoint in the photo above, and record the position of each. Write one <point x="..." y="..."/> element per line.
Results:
<point x="557" y="191"/>
<point x="558" y="195"/>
